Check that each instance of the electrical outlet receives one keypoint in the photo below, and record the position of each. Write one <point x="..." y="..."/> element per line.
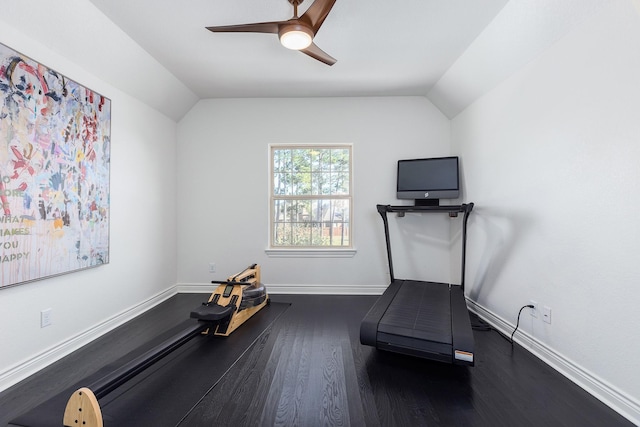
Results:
<point x="533" y="311"/>
<point x="212" y="267"/>
<point x="546" y="314"/>
<point x="46" y="317"/>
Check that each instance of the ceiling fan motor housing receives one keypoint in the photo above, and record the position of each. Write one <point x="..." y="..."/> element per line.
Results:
<point x="295" y="36"/>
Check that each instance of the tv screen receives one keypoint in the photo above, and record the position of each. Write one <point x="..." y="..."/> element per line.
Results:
<point x="428" y="180"/>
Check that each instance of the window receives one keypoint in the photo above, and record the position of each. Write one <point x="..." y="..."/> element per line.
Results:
<point x="310" y="196"/>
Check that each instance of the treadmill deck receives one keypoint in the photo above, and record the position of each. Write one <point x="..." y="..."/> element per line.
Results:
<point x="423" y="319"/>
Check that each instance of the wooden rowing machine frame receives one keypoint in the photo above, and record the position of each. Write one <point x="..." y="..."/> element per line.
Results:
<point x="83" y="408"/>
<point x="231" y="292"/>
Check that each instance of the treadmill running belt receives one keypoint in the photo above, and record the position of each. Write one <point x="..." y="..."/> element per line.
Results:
<point x="420" y="310"/>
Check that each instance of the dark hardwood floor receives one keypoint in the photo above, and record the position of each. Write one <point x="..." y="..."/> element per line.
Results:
<point x="309" y="369"/>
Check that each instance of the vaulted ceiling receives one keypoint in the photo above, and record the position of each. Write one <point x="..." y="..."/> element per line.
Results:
<point x="383" y="47"/>
<point x="450" y="51"/>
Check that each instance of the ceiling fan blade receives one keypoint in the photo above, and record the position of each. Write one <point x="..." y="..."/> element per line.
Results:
<point x="317" y="13"/>
<point x="262" y="27"/>
<point x="316" y="53"/>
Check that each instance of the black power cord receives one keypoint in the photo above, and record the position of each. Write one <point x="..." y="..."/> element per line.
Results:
<point x="518" y="322"/>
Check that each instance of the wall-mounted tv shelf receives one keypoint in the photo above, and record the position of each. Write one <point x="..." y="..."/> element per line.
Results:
<point x="424" y="319"/>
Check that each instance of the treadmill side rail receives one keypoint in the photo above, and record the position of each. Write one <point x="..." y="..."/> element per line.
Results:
<point x="369" y="325"/>
<point x="461" y="331"/>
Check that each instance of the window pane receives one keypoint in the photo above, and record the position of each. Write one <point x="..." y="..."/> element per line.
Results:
<point x="321" y="183"/>
<point x="279" y="210"/>
<point x="340" y="235"/>
<point x="340" y="221"/>
<point x="301" y="184"/>
<point x="281" y="160"/>
<point x="282" y="184"/>
<point x="315" y="159"/>
<point x="330" y="234"/>
<point x="340" y="183"/>
<point x="340" y="159"/>
<point x="318" y="209"/>
<point x="301" y="234"/>
<point x="303" y="211"/>
<point x="282" y="234"/>
<point x="301" y="161"/>
<point x="341" y="210"/>
<point x="292" y="211"/>
<point x="317" y="236"/>
<point x="325" y="160"/>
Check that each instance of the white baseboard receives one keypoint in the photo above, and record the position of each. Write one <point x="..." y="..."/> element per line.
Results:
<point x="295" y="289"/>
<point x="19" y="372"/>
<point x="620" y="402"/>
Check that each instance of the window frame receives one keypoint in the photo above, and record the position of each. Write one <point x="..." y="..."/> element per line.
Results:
<point x="308" y="250"/>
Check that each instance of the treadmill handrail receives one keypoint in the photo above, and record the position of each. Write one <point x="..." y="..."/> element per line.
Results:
<point x="465" y="208"/>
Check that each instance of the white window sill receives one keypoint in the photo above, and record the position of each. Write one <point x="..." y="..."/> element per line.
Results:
<point x="310" y="253"/>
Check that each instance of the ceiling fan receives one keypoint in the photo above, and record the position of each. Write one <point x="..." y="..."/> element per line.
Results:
<point x="296" y="33"/>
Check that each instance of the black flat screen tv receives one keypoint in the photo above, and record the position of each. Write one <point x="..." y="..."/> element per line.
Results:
<point x="428" y="180"/>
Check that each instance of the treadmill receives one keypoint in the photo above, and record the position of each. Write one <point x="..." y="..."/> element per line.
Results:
<point x="423" y="319"/>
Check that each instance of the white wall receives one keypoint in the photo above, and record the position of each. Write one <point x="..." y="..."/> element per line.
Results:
<point x="223" y="188"/>
<point x="142" y="268"/>
<point x="522" y="30"/>
<point x="551" y="157"/>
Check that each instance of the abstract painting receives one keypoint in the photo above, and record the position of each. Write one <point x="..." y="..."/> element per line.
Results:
<point x="55" y="138"/>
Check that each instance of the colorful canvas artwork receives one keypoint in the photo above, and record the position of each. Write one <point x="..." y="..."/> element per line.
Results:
<point x="54" y="172"/>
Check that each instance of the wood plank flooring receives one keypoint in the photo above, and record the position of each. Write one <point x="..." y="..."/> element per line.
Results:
<point x="89" y="359"/>
<point x="309" y="369"/>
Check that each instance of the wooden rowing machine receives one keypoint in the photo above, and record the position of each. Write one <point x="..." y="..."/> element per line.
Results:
<point x="232" y="303"/>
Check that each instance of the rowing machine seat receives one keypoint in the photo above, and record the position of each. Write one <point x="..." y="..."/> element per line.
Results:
<point x="210" y="312"/>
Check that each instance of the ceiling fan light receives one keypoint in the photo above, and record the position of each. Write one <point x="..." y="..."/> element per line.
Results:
<point x="296" y="37"/>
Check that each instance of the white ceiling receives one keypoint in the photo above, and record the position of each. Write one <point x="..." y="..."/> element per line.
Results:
<point x="383" y="47"/>
<point x="451" y="51"/>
